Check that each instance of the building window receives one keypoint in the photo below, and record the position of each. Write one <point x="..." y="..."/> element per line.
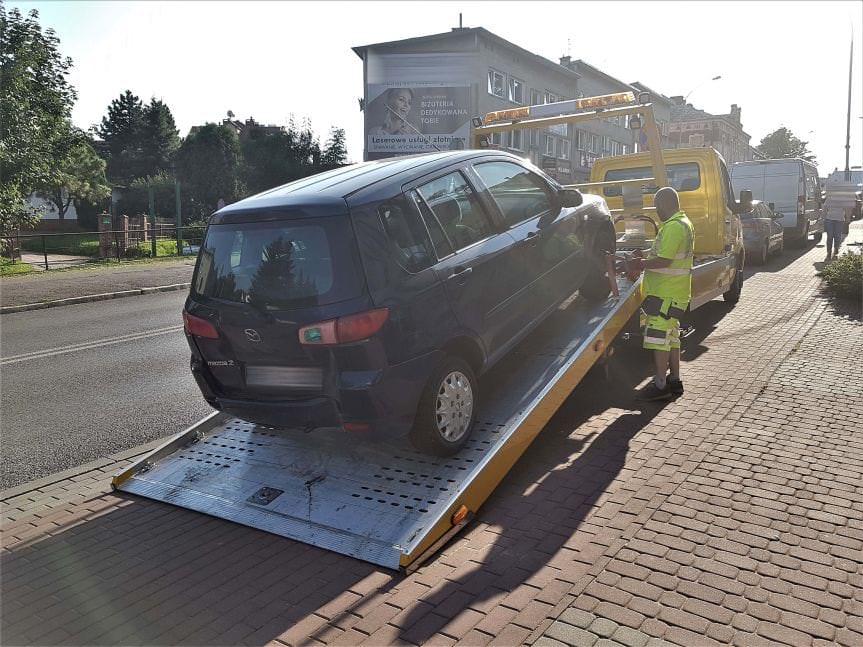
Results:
<point x="549" y="97"/>
<point x="500" y="140"/>
<point x="563" y="149"/>
<point x="516" y="91"/>
<point x="515" y="140"/>
<point x="549" y="145"/>
<point x="535" y="97"/>
<point x="534" y="137"/>
<point x="495" y="83"/>
<point x="580" y="140"/>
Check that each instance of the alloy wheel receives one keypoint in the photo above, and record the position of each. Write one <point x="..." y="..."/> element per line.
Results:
<point x="454" y="406"/>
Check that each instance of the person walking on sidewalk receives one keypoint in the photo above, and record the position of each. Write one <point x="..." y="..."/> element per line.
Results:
<point x="834" y="227"/>
<point x="668" y="286"/>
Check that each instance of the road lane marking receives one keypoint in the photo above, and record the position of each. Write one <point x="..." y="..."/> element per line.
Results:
<point x="98" y="343"/>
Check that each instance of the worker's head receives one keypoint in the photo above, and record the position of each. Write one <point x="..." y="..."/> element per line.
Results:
<point x="667" y="203"/>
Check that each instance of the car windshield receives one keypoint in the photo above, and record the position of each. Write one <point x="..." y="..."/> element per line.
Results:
<point x="279" y="265"/>
<point x="682" y="177"/>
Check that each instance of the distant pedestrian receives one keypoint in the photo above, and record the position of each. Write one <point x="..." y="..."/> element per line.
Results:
<point x="834" y="227"/>
<point x="220" y="204"/>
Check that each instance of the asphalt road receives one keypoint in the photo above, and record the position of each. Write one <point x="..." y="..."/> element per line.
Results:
<point x="83" y="381"/>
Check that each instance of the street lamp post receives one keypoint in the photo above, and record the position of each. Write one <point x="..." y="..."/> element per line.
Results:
<point x="715" y="78"/>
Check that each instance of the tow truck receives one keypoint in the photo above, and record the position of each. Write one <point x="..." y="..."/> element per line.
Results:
<point x="389" y="504"/>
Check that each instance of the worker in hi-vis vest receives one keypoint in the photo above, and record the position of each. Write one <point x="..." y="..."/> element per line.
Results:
<point x="668" y="289"/>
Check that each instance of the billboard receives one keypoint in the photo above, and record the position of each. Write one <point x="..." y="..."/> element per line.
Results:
<point x="417" y="118"/>
<point x="417" y="103"/>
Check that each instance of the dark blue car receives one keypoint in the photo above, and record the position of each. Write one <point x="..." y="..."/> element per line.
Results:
<point x="371" y="297"/>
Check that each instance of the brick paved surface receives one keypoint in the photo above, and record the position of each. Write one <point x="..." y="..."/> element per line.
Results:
<point x="731" y="516"/>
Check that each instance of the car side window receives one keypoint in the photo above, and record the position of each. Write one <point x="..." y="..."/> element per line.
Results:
<point x="407" y="234"/>
<point x="519" y="194"/>
<point x="457" y="209"/>
<point x="441" y="243"/>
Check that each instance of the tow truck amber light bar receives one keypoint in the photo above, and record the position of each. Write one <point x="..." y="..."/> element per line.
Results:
<point x="560" y="107"/>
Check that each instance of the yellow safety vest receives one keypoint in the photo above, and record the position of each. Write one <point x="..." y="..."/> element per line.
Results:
<point x="675" y="240"/>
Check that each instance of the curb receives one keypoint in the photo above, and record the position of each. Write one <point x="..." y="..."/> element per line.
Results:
<point x="93" y="297"/>
<point x="72" y="472"/>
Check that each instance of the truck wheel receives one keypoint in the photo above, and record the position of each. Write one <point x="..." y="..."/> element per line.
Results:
<point x="596" y="287"/>
<point x="447" y="409"/>
<point x="732" y="296"/>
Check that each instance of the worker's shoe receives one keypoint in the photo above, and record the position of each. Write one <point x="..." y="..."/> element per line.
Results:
<point x="676" y="386"/>
<point x="652" y="393"/>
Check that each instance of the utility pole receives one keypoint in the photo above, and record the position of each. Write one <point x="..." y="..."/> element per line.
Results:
<point x="848" y="121"/>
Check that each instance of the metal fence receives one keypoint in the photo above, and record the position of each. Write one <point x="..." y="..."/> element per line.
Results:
<point x="57" y="250"/>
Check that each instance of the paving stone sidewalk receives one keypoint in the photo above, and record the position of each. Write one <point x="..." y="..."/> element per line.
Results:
<point x="50" y="286"/>
<point x="732" y="516"/>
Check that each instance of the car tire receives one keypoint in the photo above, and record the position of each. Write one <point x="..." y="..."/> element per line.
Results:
<point x="596" y="286"/>
<point x="781" y="249"/>
<point x="450" y="393"/>
<point x="817" y="237"/>
<point x="732" y="296"/>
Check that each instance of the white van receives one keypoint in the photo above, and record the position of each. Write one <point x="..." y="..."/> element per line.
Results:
<point x="794" y="188"/>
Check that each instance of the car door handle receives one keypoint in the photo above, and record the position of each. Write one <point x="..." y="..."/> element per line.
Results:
<point x="461" y="273"/>
<point x="531" y="239"/>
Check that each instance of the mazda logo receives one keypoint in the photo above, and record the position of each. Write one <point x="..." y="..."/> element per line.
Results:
<point x="252" y="335"/>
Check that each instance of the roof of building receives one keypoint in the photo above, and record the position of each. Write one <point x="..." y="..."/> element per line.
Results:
<point x="479" y="31"/>
<point x="603" y="75"/>
<point x="689" y="113"/>
<point x="654" y="95"/>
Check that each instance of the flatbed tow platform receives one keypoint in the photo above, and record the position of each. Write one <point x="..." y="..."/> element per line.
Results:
<point x="387" y="504"/>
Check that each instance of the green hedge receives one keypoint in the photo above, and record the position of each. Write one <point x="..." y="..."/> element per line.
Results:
<point x="86" y="245"/>
<point x="844" y="276"/>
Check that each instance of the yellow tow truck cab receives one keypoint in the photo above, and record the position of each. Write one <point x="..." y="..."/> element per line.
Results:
<point x="703" y="183"/>
<point x="628" y="182"/>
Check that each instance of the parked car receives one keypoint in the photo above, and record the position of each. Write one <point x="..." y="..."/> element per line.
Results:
<point x="371" y="297"/>
<point x="793" y="186"/>
<point x="762" y="232"/>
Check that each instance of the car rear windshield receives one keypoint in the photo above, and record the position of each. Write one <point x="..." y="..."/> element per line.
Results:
<point x="682" y="177"/>
<point x="280" y="265"/>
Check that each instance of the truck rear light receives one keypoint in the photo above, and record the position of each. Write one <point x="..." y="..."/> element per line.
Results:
<point x="199" y="327"/>
<point x="801" y="205"/>
<point x="344" y="329"/>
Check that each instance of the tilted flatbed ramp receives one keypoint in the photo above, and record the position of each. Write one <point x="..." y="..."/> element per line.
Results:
<point x="383" y="503"/>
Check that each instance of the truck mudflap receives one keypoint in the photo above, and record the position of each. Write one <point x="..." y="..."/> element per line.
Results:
<point x="383" y="503"/>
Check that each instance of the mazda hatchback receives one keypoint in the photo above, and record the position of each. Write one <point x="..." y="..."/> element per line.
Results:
<point x="369" y="298"/>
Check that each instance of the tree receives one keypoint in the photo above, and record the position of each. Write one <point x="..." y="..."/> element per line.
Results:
<point x="335" y="150"/>
<point x="208" y="165"/>
<point x="782" y="143"/>
<point x="122" y="129"/>
<point x="273" y="159"/>
<point x="159" y="138"/>
<point x="35" y="104"/>
<point x="79" y="175"/>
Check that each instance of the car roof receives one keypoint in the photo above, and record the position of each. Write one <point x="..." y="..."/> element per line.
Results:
<point x="323" y="192"/>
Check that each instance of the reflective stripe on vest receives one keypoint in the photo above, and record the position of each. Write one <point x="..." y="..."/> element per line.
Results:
<point x="673" y="281"/>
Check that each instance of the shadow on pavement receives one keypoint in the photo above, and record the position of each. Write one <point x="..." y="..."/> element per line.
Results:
<point x="780" y="262"/>
<point x="537" y="516"/>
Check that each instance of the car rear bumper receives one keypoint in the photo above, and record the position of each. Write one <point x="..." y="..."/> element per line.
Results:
<point x="382" y="401"/>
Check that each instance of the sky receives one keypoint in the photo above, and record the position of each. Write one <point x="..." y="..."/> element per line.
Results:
<point x="784" y="63"/>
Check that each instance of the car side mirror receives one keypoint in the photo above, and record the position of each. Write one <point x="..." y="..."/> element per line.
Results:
<point x="570" y="198"/>
<point x="776" y="215"/>
<point x="746" y="200"/>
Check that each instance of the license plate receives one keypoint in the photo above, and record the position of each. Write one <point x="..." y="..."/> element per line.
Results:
<point x="295" y="377"/>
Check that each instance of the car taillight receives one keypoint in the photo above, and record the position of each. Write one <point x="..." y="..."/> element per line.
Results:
<point x="344" y="329"/>
<point x="801" y="205"/>
<point x="199" y="327"/>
